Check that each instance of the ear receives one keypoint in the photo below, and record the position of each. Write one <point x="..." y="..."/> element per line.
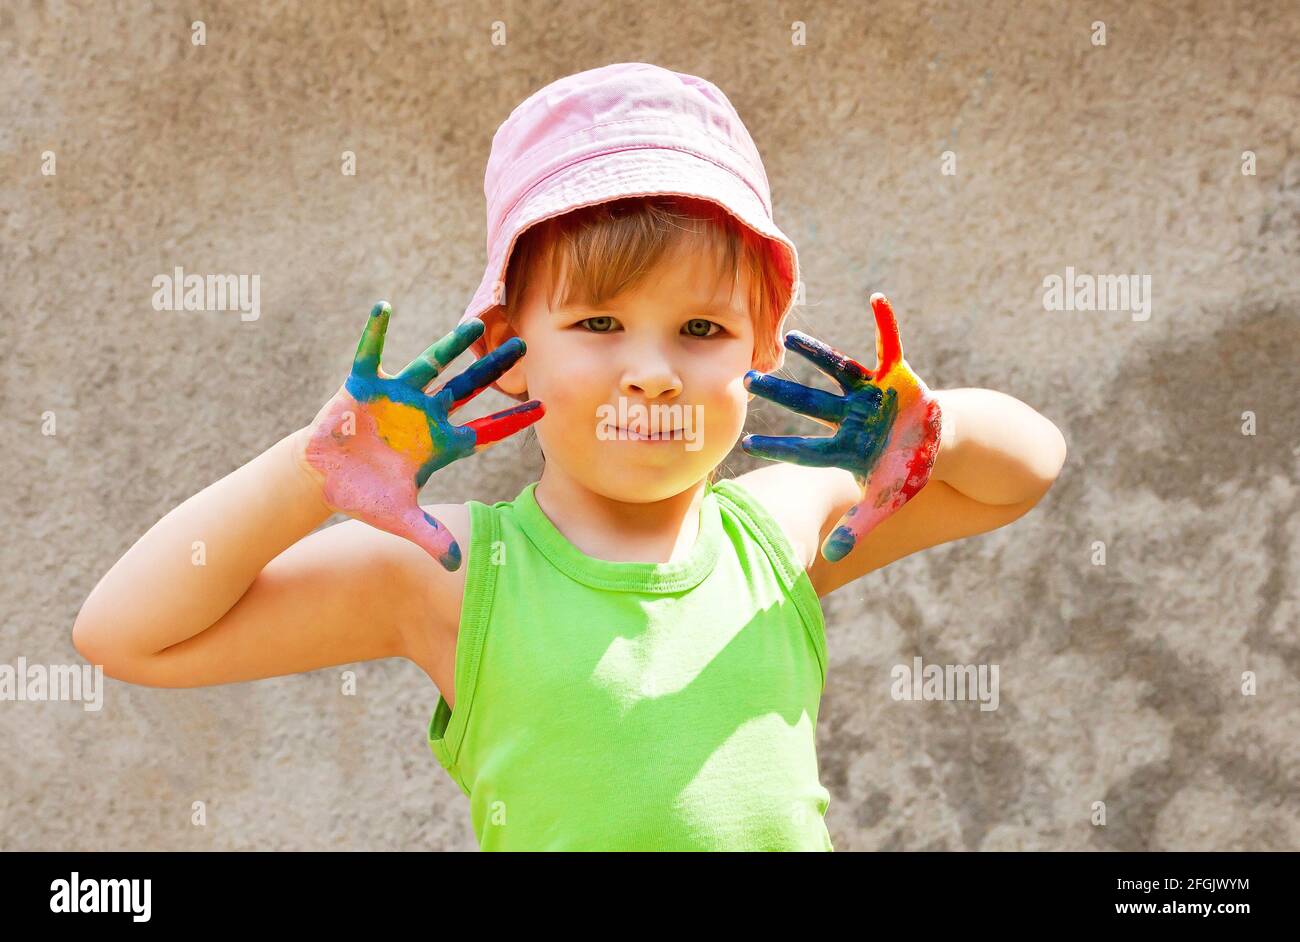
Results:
<point x="496" y="332"/>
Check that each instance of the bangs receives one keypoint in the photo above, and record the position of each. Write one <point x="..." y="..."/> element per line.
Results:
<point x="595" y="253"/>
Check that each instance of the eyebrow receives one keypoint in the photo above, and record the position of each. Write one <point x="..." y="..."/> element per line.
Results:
<point x="711" y="307"/>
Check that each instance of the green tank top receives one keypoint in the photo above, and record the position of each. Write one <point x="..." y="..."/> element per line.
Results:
<point x="637" y="706"/>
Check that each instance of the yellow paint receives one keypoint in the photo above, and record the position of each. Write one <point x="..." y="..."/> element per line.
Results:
<point x="404" y="428"/>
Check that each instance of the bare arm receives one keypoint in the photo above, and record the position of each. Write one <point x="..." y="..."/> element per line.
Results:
<point x="233" y="585"/>
<point x="230" y="586"/>
<point x="901" y="471"/>
<point x="998" y="458"/>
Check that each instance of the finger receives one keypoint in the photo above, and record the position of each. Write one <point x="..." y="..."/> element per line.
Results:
<point x="889" y="350"/>
<point x="481" y="373"/>
<point x="366" y="361"/>
<point x="492" y="428"/>
<point x="805" y="400"/>
<point x="845" y="370"/>
<point x="420" y="371"/>
<point x="814" y="452"/>
<point x="470" y="398"/>
<point x="427" y="532"/>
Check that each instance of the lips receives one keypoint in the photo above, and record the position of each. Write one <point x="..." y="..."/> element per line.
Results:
<point x="663" y="435"/>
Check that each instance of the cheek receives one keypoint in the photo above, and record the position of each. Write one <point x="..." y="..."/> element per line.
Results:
<point x="725" y="408"/>
<point x="549" y="369"/>
<point x="569" y="409"/>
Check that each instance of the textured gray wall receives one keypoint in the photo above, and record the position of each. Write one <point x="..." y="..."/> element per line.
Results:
<point x="1120" y="683"/>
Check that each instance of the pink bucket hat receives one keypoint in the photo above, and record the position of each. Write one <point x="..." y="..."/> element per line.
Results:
<point x="628" y="129"/>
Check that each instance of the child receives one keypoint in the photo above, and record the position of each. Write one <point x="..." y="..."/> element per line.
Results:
<point x="630" y="654"/>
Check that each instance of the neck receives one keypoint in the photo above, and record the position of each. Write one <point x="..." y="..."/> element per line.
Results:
<point x="601" y="527"/>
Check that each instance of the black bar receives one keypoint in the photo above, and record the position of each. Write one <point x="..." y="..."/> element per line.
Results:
<point x="332" y="891"/>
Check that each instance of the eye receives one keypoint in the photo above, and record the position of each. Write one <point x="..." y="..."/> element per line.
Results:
<point x="701" y="323"/>
<point x="600" y="323"/>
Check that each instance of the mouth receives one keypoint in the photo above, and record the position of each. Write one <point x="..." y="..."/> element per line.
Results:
<point x="665" y="435"/>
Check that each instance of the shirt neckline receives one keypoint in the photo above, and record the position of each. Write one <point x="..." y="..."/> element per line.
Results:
<point x="675" y="576"/>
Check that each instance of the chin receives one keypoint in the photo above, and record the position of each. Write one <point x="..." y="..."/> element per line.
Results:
<point x="643" y="485"/>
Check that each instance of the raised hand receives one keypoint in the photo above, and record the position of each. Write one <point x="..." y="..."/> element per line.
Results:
<point x="375" y="443"/>
<point x="886" y="425"/>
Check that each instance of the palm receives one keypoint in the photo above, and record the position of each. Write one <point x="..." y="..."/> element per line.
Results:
<point x="886" y="426"/>
<point x="375" y="443"/>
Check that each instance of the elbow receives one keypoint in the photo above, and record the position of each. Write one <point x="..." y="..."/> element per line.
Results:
<point x="81" y="637"/>
<point x="97" y="643"/>
<point x="87" y="643"/>
<point x="1047" y="467"/>
<point x="88" y="632"/>
<point x="91" y="644"/>
<point x="1058" y="460"/>
<point x="1051" y="459"/>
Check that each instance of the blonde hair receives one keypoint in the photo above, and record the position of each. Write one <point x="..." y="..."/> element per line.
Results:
<point x="597" y="252"/>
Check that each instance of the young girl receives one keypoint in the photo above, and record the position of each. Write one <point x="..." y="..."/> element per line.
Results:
<point x="630" y="654"/>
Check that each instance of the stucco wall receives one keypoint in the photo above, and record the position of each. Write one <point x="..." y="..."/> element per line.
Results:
<point x="1119" y="683"/>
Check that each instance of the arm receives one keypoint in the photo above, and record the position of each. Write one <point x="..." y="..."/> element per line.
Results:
<point x="997" y="458"/>
<point x="270" y="597"/>
<point x="906" y="467"/>
<point x="229" y="587"/>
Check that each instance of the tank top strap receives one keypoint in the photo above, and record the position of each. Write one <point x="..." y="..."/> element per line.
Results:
<point x="447" y="727"/>
<point x="734" y="499"/>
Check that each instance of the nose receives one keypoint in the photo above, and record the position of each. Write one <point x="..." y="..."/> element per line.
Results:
<point x="649" y="373"/>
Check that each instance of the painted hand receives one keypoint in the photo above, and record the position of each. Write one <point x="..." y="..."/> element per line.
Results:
<point x="886" y="425"/>
<point x="375" y="443"/>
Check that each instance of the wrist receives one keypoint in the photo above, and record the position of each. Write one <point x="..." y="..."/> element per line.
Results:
<point x="311" y="481"/>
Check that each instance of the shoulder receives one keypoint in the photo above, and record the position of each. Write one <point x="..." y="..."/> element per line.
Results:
<point x="799" y="499"/>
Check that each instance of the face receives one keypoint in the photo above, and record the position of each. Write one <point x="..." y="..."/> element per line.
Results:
<point x="666" y="358"/>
